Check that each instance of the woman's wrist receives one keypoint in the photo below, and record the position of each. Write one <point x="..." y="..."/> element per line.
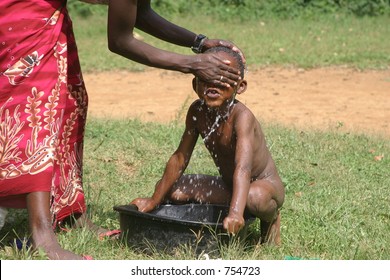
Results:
<point x="186" y="64"/>
<point x="198" y="43"/>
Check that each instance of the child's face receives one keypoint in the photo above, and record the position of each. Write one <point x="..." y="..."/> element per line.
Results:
<point x="216" y="96"/>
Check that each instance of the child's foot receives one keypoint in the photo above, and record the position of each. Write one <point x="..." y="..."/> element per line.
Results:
<point x="270" y="231"/>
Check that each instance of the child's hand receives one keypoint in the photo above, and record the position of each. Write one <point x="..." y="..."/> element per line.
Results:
<point x="144" y="204"/>
<point x="233" y="223"/>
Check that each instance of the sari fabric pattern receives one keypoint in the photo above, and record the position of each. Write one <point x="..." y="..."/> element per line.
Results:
<point x="43" y="106"/>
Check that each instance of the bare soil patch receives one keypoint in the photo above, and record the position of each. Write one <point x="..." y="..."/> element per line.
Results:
<point x="323" y="98"/>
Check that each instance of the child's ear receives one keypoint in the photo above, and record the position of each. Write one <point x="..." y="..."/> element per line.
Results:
<point x="241" y="88"/>
<point x="194" y="82"/>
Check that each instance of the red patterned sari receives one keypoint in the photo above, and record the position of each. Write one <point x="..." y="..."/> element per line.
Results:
<point x="43" y="106"/>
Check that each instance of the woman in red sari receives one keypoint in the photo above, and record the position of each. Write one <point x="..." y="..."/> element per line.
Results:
<point x="43" y="102"/>
<point x="43" y="107"/>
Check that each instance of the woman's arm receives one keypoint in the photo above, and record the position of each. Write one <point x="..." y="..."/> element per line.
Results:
<point x="123" y="17"/>
<point x="148" y="20"/>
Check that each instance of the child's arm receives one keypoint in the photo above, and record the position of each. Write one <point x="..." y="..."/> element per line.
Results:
<point x="175" y="166"/>
<point x="244" y="128"/>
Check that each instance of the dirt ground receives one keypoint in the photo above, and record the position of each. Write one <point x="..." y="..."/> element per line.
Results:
<point x="323" y="98"/>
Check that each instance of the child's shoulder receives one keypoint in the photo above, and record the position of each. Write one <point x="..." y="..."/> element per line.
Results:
<point x="196" y="104"/>
<point x="242" y="108"/>
<point x="242" y="112"/>
<point x="195" y="108"/>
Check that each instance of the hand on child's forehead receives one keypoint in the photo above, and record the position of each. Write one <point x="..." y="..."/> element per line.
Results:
<point x="227" y="56"/>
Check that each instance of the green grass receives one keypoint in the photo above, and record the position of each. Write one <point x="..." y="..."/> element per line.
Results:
<point x="337" y="197"/>
<point x="328" y="40"/>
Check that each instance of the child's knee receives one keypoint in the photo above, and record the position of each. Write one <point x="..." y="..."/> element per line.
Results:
<point x="261" y="201"/>
<point x="259" y="195"/>
<point x="178" y="196"/>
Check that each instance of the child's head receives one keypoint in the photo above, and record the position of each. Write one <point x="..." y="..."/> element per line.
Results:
<point x="239" y="63"/>
<point x="216" y="95"/>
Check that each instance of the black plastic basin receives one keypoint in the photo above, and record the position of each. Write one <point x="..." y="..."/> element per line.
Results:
<point x="170" y="226"/>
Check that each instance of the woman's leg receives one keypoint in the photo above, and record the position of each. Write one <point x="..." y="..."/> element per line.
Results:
<point x="43" y="236"/>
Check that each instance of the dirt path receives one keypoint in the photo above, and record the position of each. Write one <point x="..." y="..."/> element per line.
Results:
<point x="323" y="98"/>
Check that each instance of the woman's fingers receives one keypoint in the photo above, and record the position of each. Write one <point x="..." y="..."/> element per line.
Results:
<point x="228" y="78"/>
<point x="225" y="80"/>
<point x="212" y="69"/>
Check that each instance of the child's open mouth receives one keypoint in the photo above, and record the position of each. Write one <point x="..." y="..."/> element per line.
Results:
<point x="212" y="93"/>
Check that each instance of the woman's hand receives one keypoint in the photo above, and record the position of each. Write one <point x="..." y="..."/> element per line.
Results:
<point x="144" y="204"/>
<point x="233" y="223"/>
<point x="210" y="68"/>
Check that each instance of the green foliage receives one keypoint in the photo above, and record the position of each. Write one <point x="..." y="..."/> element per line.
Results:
<point x="250" y="9"/>
<point x="86" y="10"/>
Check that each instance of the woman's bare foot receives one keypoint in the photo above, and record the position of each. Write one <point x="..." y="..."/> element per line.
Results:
<point x="43" y="237"/>
<point x="82" y="221"/>
<point x="53" y="250"/>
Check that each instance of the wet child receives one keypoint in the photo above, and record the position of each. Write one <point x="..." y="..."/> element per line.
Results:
<point x="233" y="136"/>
